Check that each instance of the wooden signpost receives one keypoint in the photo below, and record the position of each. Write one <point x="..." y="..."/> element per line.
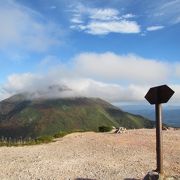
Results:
<point x="158" y="95"/>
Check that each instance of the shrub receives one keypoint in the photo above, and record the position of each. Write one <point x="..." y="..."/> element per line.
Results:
<point x="60" y="134"/>
<point x="105" y="128"/>
<point x="44" y="139"/>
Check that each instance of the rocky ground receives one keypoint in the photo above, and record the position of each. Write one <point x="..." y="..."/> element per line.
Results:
<point x="101" y="156"/>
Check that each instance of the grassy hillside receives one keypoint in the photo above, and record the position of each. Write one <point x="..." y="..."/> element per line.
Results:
<point x="33" y="118"/>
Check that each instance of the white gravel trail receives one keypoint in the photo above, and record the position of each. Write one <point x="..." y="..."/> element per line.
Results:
<point x="100" y="156"/>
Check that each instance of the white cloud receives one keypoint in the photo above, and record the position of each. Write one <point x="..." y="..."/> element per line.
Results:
<point x="154" y="28"/>
<point x="76" y="20"/>
<point x="99" y="21"/>
<point x="115" y="78"/>
<point x="45" y="86"/>
<point x="101" y="28"/>
<point x="25" y="29"/>
<point x="130" y="68"/>
<point x="4" y="94"/>
<point x="107" y="91"/>
<point x="177" y="69"/>
<point x="176" y="96"/>
<point x="22" y="82"/>
<point x="104" y="14"/>
<point x="127" y="16"/>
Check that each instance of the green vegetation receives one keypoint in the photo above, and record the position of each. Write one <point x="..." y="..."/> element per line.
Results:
<point x="60" y="134"/>
<point x="24" y="142"/>
<point x="4" y="141"/>
<point x="44" y="139"/>
<point x="58" y="117"/>
<point x="105" y="128"/>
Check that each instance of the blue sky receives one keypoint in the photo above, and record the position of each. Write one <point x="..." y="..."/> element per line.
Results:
<point x="115" y="49"/>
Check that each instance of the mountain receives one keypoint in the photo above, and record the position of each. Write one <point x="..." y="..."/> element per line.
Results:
<point x="170" y="114"/>
<point x="21" y="116"/>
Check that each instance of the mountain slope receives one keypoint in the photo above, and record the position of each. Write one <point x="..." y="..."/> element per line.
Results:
<point x="32" y="118"/>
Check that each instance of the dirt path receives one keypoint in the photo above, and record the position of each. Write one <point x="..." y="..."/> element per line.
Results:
<point x="91" y="155"/>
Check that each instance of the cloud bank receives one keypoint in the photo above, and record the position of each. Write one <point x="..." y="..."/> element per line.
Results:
<point x="113" y="67"/>
<point x="115" y="78"/>
<point x="40" y="87"/>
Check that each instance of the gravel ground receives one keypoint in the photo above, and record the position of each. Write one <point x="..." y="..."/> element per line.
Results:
<point x="101" y="156"/>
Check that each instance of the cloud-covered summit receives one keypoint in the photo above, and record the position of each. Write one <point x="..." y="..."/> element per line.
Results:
<point x="113" y="77"/>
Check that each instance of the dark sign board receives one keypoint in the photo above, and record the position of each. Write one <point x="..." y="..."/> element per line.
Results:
<point x="159" y="94"/>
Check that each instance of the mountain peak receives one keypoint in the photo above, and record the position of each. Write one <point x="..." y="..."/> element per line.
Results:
<point x="36" y="117"/>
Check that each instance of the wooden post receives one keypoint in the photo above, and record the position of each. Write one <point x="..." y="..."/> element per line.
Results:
<point x="159" y="139"/>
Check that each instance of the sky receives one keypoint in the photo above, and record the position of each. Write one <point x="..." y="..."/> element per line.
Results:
<point x="115" y="50"/>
